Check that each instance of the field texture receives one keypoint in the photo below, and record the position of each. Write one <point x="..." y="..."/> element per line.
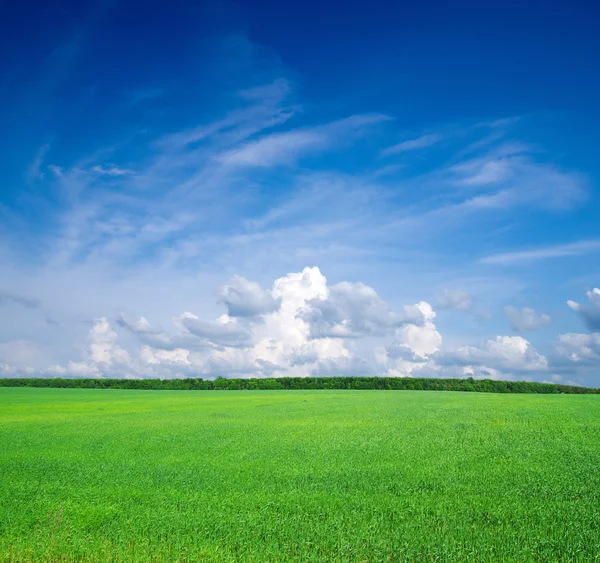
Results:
<point x="90" y="475"/>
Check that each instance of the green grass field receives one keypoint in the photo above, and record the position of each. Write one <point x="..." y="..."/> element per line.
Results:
<point x="90" y="475"/>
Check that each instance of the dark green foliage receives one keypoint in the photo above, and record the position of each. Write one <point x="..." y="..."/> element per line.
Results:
<point x="293" y="383"/>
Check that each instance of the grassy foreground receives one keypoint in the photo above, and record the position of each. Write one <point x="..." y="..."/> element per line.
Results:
<point x="91" y="475"/>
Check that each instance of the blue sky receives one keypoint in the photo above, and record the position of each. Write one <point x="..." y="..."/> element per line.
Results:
<point x="267" y="188"/>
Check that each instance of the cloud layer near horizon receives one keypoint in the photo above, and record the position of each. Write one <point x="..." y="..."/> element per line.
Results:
<point x="303" y="326"/>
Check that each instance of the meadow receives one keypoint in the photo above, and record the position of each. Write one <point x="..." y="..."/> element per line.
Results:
<point x="253" y="476"/>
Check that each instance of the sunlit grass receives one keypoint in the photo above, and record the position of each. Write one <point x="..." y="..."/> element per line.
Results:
<point x="89" y="475"/>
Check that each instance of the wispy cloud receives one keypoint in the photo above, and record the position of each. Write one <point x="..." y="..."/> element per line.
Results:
<point x="265" y="107"/>
<point x="413" y="144"/>
<point x="58" y="171"/>
<point x="111" y="171"/>
<point x="484" y="172"/>
<point x="559" y="251"/>
<point x="145" y="95"/>
<point x="34" y="172"/>
<point x="279" y="148"/>
<point x="286" y="148"/>
<point x="23" y="301"/>
<point x="277" y="90"/>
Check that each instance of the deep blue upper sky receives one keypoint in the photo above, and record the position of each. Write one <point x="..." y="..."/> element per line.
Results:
<point x="438" y="152"/>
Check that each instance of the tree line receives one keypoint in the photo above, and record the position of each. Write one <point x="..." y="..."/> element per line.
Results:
<point x="303" y="383"/>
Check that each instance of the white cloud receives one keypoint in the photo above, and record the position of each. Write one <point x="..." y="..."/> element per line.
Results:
<point x="225" y="331"/>
<point x="422" y="340"/>
<point x="499" y="165"/>
<point x="58" y="171"/>
<point x="300" y="327"/>
<point x="483" y="173"/>
<point x="8" y="370"/>
<point x="103" y="347"/>
<point x="104" y="357"/>
<point x="559" y="251"/>
<point x="244" y="298"/>
<point x="526" y="319"/>
<point x="77" y="369"/>
<point x="453" y="299"/>
<point x="276" y="149"/>
<point x="161" y="340"/>
<point x="275" y="91"/>
<point x="284" y="336"/>
<point x="510" y="354"/>
<point x="413" y="144"/>
<point x="414" y="346"/>
<point x="591" y="313"/>
<point x="354" y="310"/>
<point x="34" y="172"/>
<point x="285" y="148"/>
<point x="275" y="341"/>
<point x="177" y="356"/>
<point x="111" y="171"/>
<point x="579" y="348"/>
<point x="306" y="334"/>
<point x="281" y="340"/>
<point x="521" y="179"/>
<point x="268" y="109"/>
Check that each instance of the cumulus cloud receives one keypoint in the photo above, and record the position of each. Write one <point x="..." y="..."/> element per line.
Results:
<point x="225" y="331"/>
<point x="590" y="313"/>
<point x="417" y="352"/>
<point x="526" y="319"/>
<point x="11" y="370"/>
<point x="269" y="337"/>
<point x="104" y="356"/>
<point x="103" y="344"/>
<point x="579" y="348"/>
<point x="159" y="339"/>
<point x="354" y="310"/>
<point x="417" y="341"/>
<point x="453" y="299"/>
<point x="298" y="327"/>
<point x="303" y="326"/>
<point x="414" y="345"/>
<point x="245" y="298"/>
<point x="176" y="356"/>
<point x="511" y="354"/>
<point x="284" y="336"/>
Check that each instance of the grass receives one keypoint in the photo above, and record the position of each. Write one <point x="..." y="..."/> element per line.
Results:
<point x="90" y="475"/>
